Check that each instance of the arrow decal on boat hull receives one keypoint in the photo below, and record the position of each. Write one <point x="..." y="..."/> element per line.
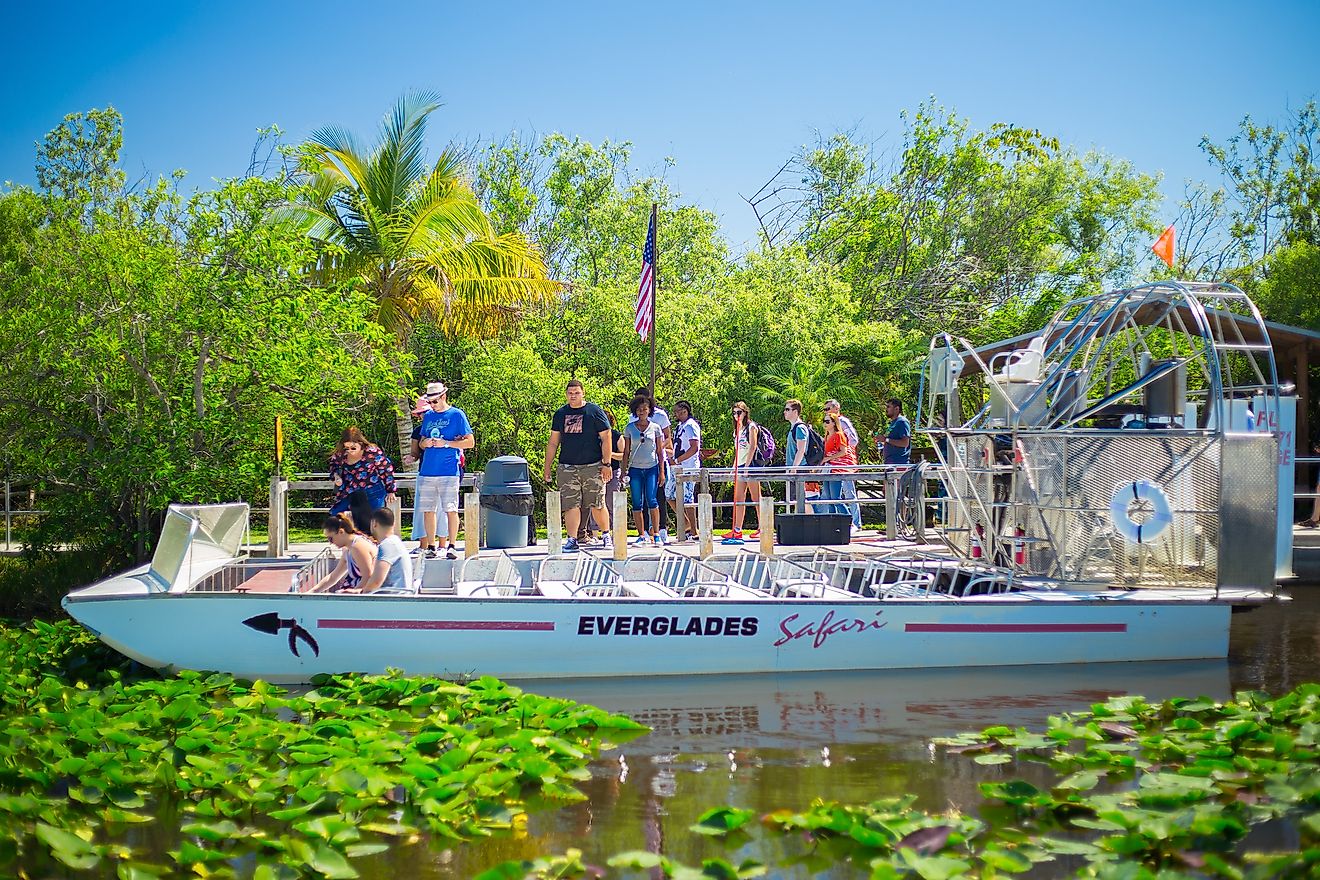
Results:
<point x="271" y="623"/>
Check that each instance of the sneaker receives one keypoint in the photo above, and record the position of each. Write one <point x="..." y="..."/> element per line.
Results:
<point x="659" y="540"/>
<point x="663" y="537"/>
<point x="606" y="542"/>
<point x="642" y="541"/>
<point x="570" y="546"/>
<point x="732" y="534"/>
<point x="451" y="552"/>
<point x="430" y="553"/>
<point x="755" y="534"/>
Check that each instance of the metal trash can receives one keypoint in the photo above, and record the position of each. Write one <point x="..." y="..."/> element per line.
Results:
<point x="506" y="498"/>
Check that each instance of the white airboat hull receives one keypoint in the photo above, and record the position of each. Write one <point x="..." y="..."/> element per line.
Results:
<point x="534" y="637"/>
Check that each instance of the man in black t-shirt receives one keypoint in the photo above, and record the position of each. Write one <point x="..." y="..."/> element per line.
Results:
<point x="580" y="433"/>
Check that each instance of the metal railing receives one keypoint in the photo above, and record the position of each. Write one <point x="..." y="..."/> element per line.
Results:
<point x="277" y="528"/>
<point x="11" y="512"/>
<point x="884" y="476"/>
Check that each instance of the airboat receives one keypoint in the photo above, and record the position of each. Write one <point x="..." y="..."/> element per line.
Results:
<point x="1107" y="490"/>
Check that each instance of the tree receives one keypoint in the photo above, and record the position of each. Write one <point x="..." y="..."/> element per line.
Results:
<point x="156" y="338"/>
<point x="1274" y="182"/>
<point x="413" y="236"/>
<point x="960" y="222"/>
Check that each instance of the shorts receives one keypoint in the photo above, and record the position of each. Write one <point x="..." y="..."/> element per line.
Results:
<point x="438" y="494"/>
<point x="671" y="488"/>
<point x="580" y="485"/>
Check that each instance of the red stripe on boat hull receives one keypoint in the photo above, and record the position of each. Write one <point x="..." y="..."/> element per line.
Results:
<point x="1016" y="627"/>
<point x="500" y="625"/>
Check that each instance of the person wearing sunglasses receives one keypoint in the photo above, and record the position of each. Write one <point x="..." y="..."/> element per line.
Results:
<point x="439" y="441"/>
<point x="363" y="477"/>
<point x="746" y="439"/>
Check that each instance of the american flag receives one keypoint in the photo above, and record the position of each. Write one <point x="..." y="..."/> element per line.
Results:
<point x="646" y="290"/>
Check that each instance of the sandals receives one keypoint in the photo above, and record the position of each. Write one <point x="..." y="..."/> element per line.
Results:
<point x="1309" y="523"/>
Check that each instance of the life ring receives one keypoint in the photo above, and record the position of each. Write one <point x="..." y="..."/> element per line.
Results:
<point x="1129" y="528"/>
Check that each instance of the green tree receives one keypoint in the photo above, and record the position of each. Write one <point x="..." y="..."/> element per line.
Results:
<point x="413" y="235"/>
<point x="156" y="338"/>
<point x="961" y="221"/>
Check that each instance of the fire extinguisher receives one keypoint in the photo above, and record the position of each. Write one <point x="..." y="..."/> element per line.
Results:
<point x="1019" y="546"/>
<point x="977" y="536"/>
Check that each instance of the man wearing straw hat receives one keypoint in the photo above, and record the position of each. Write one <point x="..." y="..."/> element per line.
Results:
<point x="438" y="442"/>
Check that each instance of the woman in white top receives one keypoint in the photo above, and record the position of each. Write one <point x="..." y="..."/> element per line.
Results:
<point x="746" y="436"/>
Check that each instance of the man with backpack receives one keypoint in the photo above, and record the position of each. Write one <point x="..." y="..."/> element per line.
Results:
<point x="803" y="445"/>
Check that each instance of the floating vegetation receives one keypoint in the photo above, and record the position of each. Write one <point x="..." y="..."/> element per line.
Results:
<point x="99" y="765"/>
<point x="1131" y="790"/>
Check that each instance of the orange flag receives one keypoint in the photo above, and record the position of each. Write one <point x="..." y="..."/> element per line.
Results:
<point x="1163" y="246"/>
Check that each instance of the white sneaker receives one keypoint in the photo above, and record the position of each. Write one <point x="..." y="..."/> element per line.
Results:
<point x="659" y="541"/>
<point x="642" y="541"/>
<point x="663" y="538"/>
<point x="606" y="541"/>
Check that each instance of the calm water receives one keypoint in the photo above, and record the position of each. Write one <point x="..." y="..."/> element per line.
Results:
<point x="767" y="742"/>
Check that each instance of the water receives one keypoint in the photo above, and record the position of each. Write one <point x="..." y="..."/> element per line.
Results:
<point x="767" y="742"/>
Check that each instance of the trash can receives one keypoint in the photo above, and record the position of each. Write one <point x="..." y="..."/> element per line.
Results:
<point x="506" y="498"/>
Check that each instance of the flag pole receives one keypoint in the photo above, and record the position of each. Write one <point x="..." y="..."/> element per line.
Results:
<point x="655" y="293"/>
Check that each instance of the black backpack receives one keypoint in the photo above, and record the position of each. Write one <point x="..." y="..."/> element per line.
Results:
<point x="815" y="445"/>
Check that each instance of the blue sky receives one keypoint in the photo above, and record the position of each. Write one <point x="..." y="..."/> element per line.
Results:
<point x="727" y="89"/>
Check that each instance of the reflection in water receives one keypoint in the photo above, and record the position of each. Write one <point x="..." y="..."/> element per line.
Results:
<point x="767" y="742"/>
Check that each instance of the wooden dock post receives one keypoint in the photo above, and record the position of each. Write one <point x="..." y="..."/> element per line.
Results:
<point x="472" y="525"/>
<point x="554" y="523"/>
<point x="765" y="521"/>
<point x="619" y="528"/>
<point x="705" y="526"/>
<point x="277" y="519"/>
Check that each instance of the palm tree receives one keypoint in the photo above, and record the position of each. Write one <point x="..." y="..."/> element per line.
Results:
<point x="412" y="234"/>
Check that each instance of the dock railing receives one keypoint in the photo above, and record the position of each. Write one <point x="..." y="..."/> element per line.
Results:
<point x="277" y="540"/>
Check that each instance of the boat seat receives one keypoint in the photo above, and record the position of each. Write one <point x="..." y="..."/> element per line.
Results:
<point x="647" y="590"/>
<point x="479" y="572"/>
<point x="612" y="590"/>
<point x="555" y="589"/>
<point x="811" y="589"/>
<point x="720" y="590"/>
<point x="486" y="590"/>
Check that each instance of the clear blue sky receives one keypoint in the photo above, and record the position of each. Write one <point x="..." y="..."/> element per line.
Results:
<point x="727" y="89"/>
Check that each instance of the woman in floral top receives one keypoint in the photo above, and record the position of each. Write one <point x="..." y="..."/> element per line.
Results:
<point x="363" y="476"/>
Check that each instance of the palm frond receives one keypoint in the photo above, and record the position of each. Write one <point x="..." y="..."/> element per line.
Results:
<point x="397" y="163"/>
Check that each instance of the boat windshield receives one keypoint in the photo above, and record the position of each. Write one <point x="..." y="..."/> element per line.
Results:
<point x="172" y="549"/>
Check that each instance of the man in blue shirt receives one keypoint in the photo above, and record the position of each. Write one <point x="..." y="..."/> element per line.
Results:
<point x="438" y="442"/>
<point x="897" y="445"/>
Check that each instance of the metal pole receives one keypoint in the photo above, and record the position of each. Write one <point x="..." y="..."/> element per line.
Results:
<point x="655" y="289"/>
<point x="891" y="506"/>
<point x="920" y="522"/>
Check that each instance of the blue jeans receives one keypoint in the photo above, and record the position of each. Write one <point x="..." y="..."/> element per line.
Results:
<point x="832" y="490"/>
<point x="643" y="483"/>
<point x="360" y="503"/>
<point x="849" y="494"/>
